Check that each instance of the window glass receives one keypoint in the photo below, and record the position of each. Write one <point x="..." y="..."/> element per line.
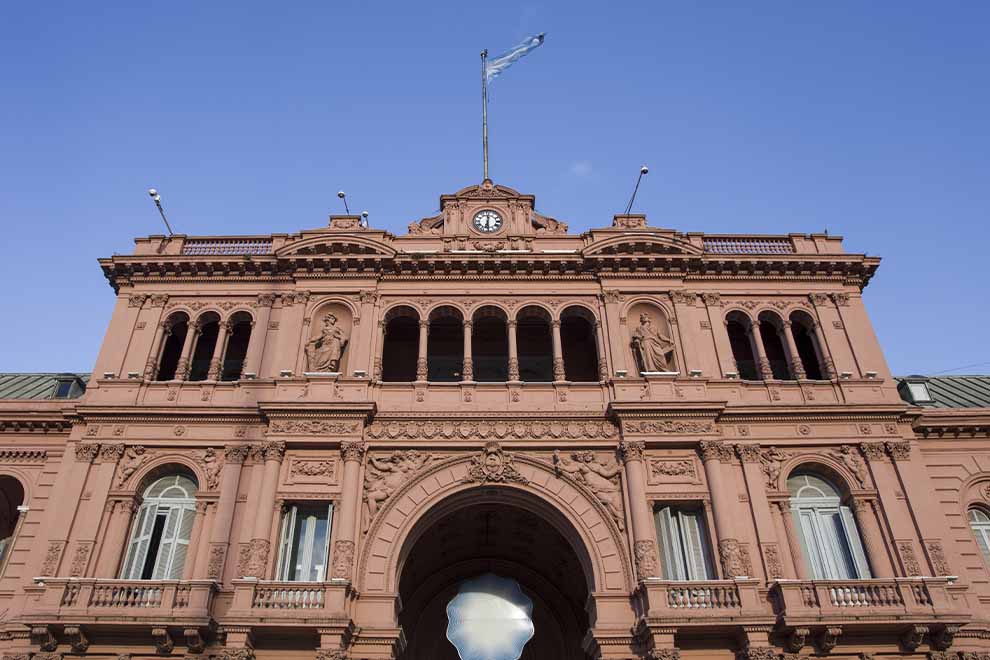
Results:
<point x="160" y="535"/>
<point x="919" y="392"/>
<point x="979" y="522"/>
<point x="828" y="533"/>
<point x="305" y="542"/>
<point x="683" y="544"/>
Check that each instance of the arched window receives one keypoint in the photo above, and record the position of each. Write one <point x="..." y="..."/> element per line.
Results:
<point x="534" y="345"/>
<point x="401" y="347"/>
<point x="11" y="499"/>
<point x="160" y="533"/>
<point x="208" y="329"/>
<point x="239" y="327"/>
<point x="578" y="343"/>
<point x="979" y="522"/>
<point x="829" y="537"/>
<point x="738" y="326"/>
<point x="683" y="542"/>
<point x="802" y="329"/>
<point x="773" y="346"/>
<point x="176" y="327"/>
<point x="490" y="346"/>
<point x="445" y="345"/>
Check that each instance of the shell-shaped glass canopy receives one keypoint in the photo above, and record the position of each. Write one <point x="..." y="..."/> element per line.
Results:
<point x="490" y="618"/>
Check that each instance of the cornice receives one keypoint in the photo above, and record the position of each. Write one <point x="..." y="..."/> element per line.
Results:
<point x="364" y="410"/>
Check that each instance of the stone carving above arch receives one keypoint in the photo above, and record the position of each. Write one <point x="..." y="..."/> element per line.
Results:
<point x="594" y="524"/>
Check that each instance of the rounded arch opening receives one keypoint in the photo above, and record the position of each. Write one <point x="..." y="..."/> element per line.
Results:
<point x="490" y="345"/>
<point x="445" y="345"/>
<point x="11" y="499"/>
<point x="162" y="526"/>
<point x="978" y="516"/>
<point x="207" y="332"/>
<point x="400" y="350"/>
<point x="238" y="337"/>
<point x="579" y="345"/>
<point x="534" y="345"/>
<point x="175" y="327"/>
<point x="512" y="534"/>
<point x="739" y="327"/>
<point x="771" y="330"/>
<point x="809" y="352"/>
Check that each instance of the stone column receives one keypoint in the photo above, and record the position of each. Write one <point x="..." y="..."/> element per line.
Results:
<point x="352" y="451"/>
<point x="421" y="363"/>
<point x="612" y="302"/>
<point x="602" y="360"/>
<point x="467" y="369"/>
<point x="821" y="352"/>
<point x="896" y="509"/>
<point x="259" y="334"/>
<point x="766" y="533"/>
<point x="761" y="359"/>
<point x="219" y="350"/>
<point x="162" y="333"/>
<point x="185" y="362"/>
<point x="876" y="552"/>
<point x="376" y="369"/>
<point x="794" y="359"/>
<point x="713" y="452"/>
<point x="202" y="551"/>
<point x="274" y="452"/>
<point x="115" y="542"/>
<point x="684" y="324"/>
<point x="230" y="477"/>
<point x="797" y="555"/>
<point x="195" y="540"/>
<point x="840" y="355"/>
<point x="513" y="351"/>
<point x="89" y="514"/>
<point x="788" y="558"/>
<point x="644" y="534"/>
<point x="558" y="354"/>
<point x="69" y="485"/>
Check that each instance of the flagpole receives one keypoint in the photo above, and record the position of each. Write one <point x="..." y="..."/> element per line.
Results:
<point x="484" y="108"/>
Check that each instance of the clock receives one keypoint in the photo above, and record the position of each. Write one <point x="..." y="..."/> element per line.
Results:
<point x="487" y="221"/>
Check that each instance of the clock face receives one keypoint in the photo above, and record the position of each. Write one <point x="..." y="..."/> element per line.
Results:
<point x="487" y="221"/>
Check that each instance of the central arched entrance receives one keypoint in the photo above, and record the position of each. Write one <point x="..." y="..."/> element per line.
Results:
<point x="512" y="535"/>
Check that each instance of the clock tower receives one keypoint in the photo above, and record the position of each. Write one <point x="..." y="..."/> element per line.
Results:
<point x="487" y="211"/>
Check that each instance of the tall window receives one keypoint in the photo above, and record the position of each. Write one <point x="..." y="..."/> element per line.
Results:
<point x="979" y="522"/>
<point x="829" y="538"/>
<point x="401" y="345"/>
<point x="304" y="547"/>
<point x="11" y="499"/>
<point x="683" y="544"/>
<point x="738" y="327"/>
<point x="160" y="535"/>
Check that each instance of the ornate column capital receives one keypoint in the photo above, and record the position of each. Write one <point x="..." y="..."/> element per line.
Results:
<point x="715" y="450"/>
<point x="555" y="324"/>
<point x="632" y="450"/>
<point x="353" y="450"/>
<point x="874" y="451"/>
<point x="112" y="452"/>
<point x="512" y="323"/>
<point x="749" y="453"/>
<point x="273" y="450"/>
<point x="899" y="450"/>
<point x="86" y="452"/>
<point x="236" y="453"/>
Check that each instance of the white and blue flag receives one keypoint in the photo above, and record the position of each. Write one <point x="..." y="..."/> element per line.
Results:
<point x="495" y="66"/>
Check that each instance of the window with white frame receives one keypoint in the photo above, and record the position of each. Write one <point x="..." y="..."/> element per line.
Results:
<point x="827" y="530"/>
<point x="160" y="533"/>
<point x="683" y="543"/>
<point x="305" y="542"/>
<point x="979" y="522"/>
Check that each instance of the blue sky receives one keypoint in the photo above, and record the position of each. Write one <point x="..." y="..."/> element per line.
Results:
<point x="868" y="119"/>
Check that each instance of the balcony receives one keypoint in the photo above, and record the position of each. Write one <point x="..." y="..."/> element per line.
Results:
<point x="702" y="602"/>
<point x="295" y="603"/>
<point x="900" y="600"/>
<point x="91" y="600"/>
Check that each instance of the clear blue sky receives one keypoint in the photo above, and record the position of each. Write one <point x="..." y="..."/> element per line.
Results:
<point x="868" y="119"/>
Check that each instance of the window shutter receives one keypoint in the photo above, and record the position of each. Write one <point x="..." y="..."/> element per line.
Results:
<point x="670" y="544"/>
<point x="138" y="546"/>
<point x="855" y="543"/>
<point x="285" y="544"/>
<point x="167" y="545"/>
<point x="810" y="544"/>
<point x="694" y="545"/>
<point x="322" y="574"/>
<point x="983" y="541"/>
<point x="180" y="549"/>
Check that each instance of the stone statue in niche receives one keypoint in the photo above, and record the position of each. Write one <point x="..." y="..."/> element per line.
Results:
<point x="600" y="479"/>
<point x="323" y="352"/>
<point x="653" y="350"/>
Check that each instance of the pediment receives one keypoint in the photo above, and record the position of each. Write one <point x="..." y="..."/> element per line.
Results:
<point x="334" y="244"/>
<point x="636" y="243"/>
<point x="486" y="191"/>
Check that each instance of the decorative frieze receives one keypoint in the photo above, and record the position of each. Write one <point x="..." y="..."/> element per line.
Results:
<point x="670" y="427"/>
<point x="312" y="427"/>
<point x="483" y="429"/>
<point x="661" y="470"/>
<point x="312" y="471"/>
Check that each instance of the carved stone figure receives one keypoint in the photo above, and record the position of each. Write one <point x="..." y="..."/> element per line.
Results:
<point x="653" y="349"/>
<point x="134" y="457"/>
<point x="770" y="461"/>
<point x="851" y="459"/>
<point x="386" y="475"/>
<point x="211" y="466"/>
<point x="600" y="479"/>
<point x="323" y="352"/>
<point x="495" y="465"/>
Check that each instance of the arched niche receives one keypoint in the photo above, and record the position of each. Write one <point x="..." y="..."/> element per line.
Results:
<point x="651" y="342"/>
<point x="326" y="349"/>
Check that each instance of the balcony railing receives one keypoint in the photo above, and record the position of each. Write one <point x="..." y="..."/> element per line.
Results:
<point x="701" y="600"/>
<point x="899" y="597"/>
<point x="226" y="246"/>
<point x="741" y="245"/>
<point x="80" y="598"/>
<point x="287" y="601"/>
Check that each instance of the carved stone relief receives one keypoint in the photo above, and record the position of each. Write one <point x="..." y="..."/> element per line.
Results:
<point x="386" y="474"/>
<point x="468" y="430"/>
<point x="601" y="478"/>
<point x="495" y="466"/>
<point x="666" y="470"/>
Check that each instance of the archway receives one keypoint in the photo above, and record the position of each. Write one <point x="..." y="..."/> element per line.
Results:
<point x="480" y="531"/>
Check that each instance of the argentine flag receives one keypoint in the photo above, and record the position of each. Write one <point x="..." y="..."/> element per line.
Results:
<point x="495" y="66"/>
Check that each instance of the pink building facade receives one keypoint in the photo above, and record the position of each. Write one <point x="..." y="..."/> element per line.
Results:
<point x="680" y="445"/>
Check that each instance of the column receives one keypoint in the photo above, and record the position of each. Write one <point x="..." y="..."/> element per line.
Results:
<point x="869" y="529"/>
<point x="766" y="533"/>
<point x="376" y="371"/>
<point x="790" y="561"/>
<point x="68" y="488"/>
<point x="558" y="354"/>
<point x="896" y="510"/>
<point x="261" y="544"/>
<point x="90" y="513"/>
<point x="421" y="363"/>
<point x="350" y="501"/>
<point x="114" y="546"/>
<point x="644" y="534"/>
<point x="713" y="452"/>
<point x="611" y="302"/>
<point x="467" y="367"/>
<point x="513" y="351"/>
<point x="683" y="323"/>
<point x="219" y="351"/>
<point x="230" y="477"/>
<point x="195" y="537"/>
<point x="794" y="360"/>
<point x="797" y="555"/>
<point x="162" y="332"/>
<point x="202" y="551"/>
<point x="182" y="369"/>
<point x="725" y="362"/>
<point x="839" y="352"/>
<point x="259" y="335"/>
<point x="821" y="352"/>
<point x="602" y="360"/>
<point x="761" y="359"/>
